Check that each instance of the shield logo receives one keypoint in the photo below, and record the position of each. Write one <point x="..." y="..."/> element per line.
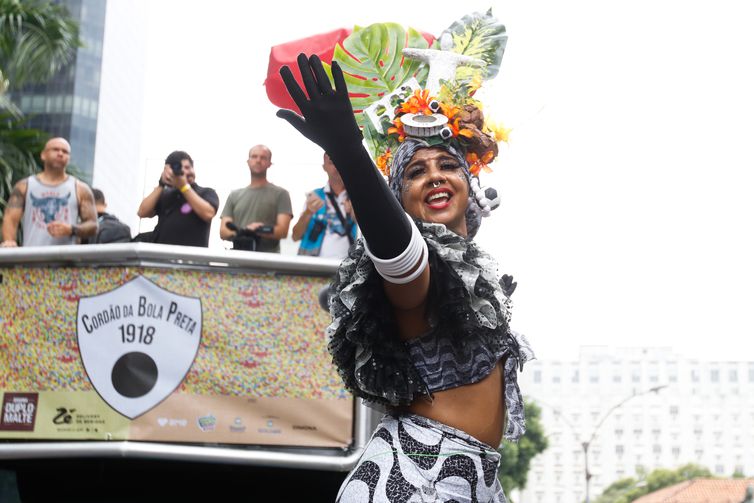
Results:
<point x="137" y="343"/>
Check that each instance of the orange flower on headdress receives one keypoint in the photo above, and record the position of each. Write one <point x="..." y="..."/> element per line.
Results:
<point x="383" y="162"/>
<point x="478" y="164"/>
<point x="418" y="103"/>
<point x="457" y="131"/>
<point x="397" y="129"/>
<point x="450" y="111"/>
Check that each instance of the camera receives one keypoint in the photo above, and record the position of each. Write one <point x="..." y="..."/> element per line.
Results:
<point x="246" y="239"/>
<point x="177" y="168"/>
<point x="317" y="229"/>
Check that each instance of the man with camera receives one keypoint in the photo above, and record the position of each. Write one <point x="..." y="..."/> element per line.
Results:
<point x="184" y="209"/>
<point x="257" y="217"/>
<point x="327" y="226"/>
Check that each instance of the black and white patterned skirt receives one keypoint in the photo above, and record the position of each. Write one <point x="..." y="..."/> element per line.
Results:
<point x="412" y="459"/>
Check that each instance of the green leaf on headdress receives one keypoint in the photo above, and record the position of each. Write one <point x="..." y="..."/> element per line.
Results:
<point x="480" y="36"/>
<point x="373" y="62"/>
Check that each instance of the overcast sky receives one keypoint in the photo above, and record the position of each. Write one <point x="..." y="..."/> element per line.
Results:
<point x="626" y="215"/>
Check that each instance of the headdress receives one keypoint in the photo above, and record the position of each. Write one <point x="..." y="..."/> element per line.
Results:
<point x="404" y="84"/>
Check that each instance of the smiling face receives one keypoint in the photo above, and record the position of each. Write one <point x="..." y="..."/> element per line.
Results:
<point x="435" y="189"/>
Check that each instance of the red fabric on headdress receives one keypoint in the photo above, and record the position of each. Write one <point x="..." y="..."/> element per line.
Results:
<point x="323" y="45"/>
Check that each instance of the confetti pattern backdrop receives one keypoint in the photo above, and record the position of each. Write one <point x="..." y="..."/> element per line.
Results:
<point x="262" y="334"/>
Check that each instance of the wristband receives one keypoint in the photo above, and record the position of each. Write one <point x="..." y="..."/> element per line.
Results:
<point x="74" y="230"/>
<point x="184" y="188"/>
<point x="393" y="269"/>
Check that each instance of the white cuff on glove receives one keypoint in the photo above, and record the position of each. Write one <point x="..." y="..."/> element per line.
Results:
<point x="394" y="269"/>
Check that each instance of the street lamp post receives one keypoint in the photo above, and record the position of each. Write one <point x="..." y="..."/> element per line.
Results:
<point x="585" y="444"/>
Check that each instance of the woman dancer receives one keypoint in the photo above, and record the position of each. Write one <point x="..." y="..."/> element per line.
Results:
<point x="420" y="319"/>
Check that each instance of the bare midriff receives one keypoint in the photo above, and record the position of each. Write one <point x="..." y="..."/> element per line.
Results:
<point x="477" y="409"/>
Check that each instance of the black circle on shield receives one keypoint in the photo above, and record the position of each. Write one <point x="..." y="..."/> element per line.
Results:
<point x="134" y="374"/>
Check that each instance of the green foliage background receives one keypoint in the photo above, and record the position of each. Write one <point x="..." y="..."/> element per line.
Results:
<point x="516" y="457"/>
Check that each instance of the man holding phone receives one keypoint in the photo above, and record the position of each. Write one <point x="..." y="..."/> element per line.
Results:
<point x="184" y="210"/>
<point x="327" y="226"/>
<point x="261" y="207"/>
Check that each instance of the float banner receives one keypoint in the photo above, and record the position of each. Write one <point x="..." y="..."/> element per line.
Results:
<point x="169" y="355"/>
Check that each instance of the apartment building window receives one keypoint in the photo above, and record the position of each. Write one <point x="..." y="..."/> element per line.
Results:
<point x="751" y="373"/>
<point x="617" y="378"/>
<point x="657" y="449"/>
<point x="699" y="452"/>
<point x="695" y="375"/>
<point x="714" y="375"/>
<point x="673" y="411"/>
<point x="594" y="374"/>
<point x="672" y="370"/>
<point x="619" y="450"/>
<point x="537" y="376"/>
<point x="719" y="469"/>
<point x="556" y="379"/>
<point x="635" y="374"/>
<point x="733" y="375"/>
<point x="575" y="376"/>
<point x="654" y="373"/>
<point x="676" y="451"/>
<point x="618" y="432"/>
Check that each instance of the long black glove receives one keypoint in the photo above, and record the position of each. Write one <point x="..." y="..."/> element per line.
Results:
<point x="329" y="122"/>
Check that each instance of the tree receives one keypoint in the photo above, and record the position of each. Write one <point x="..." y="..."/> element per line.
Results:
<point x="516" y="457"/>
<point x="36" y="39"/>
<point x="628" y="489"/>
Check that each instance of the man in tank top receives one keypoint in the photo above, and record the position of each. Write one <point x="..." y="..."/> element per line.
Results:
<point x="53" y="207"/>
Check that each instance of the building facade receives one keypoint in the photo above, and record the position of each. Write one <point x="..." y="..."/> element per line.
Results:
<point x="67" y="104"/>
<point x="637" y="409"/>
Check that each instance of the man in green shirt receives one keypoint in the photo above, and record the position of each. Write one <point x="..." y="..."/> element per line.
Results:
<point x="259" y="204"/>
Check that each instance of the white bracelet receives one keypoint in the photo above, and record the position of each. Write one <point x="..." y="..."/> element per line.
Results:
<point x="393" y="269"/>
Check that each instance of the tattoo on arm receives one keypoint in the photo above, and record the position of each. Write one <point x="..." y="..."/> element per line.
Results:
<point x="87" y="212"/>
<point x="17" y="199"/>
